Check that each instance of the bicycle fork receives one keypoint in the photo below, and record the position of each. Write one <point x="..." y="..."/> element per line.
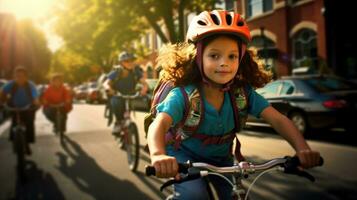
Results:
<point x="238" y="190"/>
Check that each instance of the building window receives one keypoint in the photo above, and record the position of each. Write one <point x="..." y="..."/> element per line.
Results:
<point x="225" y="5"/>
<point x="305" y="49"/>
<point x="260" y="41"/>
<point x="257" y="7"/>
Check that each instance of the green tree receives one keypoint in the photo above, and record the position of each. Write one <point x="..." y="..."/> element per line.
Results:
<point x="97" y="30"/>
<point x="76" y="68"/>
<point x="170" y="13"/>
<point x="31" y="50"/>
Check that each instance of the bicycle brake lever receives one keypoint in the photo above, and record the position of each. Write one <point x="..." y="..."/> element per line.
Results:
<point x="301" y="173"/>
<point x="168" y="183"/>
<point x="188" y="177"/>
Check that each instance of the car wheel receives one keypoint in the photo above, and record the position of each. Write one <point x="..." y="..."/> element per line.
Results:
<point x="299" y="121"/>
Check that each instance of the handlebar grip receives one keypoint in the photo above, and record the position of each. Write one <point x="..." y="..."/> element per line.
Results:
<point x="150" y="170"/>
<point x="182" y="168"/>
<point x="296" y="162"/>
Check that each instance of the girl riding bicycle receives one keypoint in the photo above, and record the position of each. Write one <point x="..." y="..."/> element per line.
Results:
<point x="215" y="61"/>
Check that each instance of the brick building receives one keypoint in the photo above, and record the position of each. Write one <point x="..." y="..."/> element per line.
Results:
<point x="302" y="33"/>
<point x="288" y="34"/>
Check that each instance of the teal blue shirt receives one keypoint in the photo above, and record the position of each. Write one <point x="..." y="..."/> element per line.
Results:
<point x="214" y="123"/>
<point x="21" y="98"/>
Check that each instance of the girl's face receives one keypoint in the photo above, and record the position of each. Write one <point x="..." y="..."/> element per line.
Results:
<point x="220" y="60"/>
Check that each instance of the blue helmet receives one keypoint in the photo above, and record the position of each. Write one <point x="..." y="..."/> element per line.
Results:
<point x="123" y="56"/>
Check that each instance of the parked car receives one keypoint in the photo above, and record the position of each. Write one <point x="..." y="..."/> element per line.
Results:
<point x="81" y="92"/>
<point x="93" y="93"/>
<point x="312" y="101"/>
<point x="143" y="103"/>
<point x="101" y="81"/>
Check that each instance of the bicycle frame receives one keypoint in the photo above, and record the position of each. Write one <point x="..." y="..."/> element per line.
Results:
<point x="129" y="133"/>
<point x="19" y="138"/>
<point x="127" y="111"/>
<point x="59" y="119"/>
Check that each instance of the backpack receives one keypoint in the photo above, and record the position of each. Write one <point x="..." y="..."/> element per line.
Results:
<point x="193" y="116"/>
<point x="138" y="73"/>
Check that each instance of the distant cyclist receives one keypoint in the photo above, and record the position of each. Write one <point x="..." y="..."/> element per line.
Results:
<point x="56" y="93"/>
<point x="123" y="78"/>
<point x="18" y="93"/>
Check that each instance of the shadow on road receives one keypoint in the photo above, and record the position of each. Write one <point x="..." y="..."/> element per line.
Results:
<point x="38" y="185"/>
<point x="278" y="185"/>
<point x="91" y="178"/>
<point x="143" y="178"/>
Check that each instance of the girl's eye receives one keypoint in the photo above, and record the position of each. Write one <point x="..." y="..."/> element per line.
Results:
<point x="233" y="56"/>
<point x="214" y="56"/>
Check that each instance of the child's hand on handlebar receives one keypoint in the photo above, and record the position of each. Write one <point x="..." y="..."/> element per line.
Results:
<point x="308" y="158"/>
<point x="165" y="166"/>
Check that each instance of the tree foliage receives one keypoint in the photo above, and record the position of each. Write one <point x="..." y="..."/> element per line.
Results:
<point x="74" y="66"/>
<point x="31" y="50"/>
<point x="97" y="30"/>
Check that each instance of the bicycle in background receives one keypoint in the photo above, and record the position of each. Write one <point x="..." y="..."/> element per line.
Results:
<point x="19" y="138"/>
<point x="237" y="172"/>
<point x="59" y="120"/>
<point x="128" y="134"/>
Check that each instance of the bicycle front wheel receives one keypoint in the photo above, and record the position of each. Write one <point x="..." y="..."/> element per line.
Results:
<point x="132" y="146"/>
<point x="59" y="125"/>
<point x="19" y="144"/>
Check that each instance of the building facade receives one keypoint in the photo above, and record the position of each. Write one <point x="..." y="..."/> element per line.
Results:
<point x="290" y="34"/>
<point x="302" y="33"/>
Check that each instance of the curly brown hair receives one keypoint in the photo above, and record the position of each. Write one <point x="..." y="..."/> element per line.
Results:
<point x="178" y="65"/>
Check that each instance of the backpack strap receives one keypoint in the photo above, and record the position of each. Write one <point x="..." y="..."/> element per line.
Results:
<point x="178" y="129"/>
<point x="237" y="122"/>
<point x="196" y="110"/>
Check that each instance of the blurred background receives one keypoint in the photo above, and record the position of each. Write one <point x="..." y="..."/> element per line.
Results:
<point x="304" y="43"/>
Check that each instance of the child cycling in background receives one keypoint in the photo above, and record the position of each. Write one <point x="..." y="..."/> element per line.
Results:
<point x="214" y="61"/>
<point x="55" y="94"/>
<point x="18" y="93"/>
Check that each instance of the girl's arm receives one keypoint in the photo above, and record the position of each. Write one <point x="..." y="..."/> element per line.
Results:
<point x="290" y="133"/>
<point x="165" y="166"/>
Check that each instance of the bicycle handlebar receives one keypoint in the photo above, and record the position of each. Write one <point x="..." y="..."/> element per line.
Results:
<point x="286" y="162"/>
<point x="17" y="109"/>
<point x="118" y="94"/>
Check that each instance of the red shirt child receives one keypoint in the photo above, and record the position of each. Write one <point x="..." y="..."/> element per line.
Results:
<point x="57" y="93"/>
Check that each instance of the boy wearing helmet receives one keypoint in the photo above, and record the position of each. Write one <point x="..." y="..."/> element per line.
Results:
<point x="214" y="60"/>
<point x="123" y="79"/>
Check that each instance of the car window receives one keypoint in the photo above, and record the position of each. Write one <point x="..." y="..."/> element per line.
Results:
<point x="287" y="88"/>
<point x="270" y="90"/>
<point x="330" y="84"/>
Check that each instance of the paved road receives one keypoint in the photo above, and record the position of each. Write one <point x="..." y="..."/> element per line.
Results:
<point x="91" y="166"/>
